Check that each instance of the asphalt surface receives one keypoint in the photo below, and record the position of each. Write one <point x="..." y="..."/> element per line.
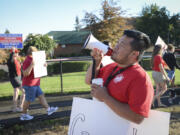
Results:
<point x="9" y="118"/>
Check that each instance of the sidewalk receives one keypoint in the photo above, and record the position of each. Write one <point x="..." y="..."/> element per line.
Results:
<point x="8" y="118"/>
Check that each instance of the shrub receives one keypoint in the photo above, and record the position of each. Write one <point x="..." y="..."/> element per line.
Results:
<point x="146" y="63"/>
<point x="3" y="75"/>
<point x="3" y="56"/>
<point x="67" y="67"/>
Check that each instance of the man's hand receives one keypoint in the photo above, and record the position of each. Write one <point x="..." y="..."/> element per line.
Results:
<point x="99" y="92"/>
<point x="97" y="55"/>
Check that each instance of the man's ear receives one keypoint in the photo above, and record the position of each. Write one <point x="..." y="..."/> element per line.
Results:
<point x="135" y="54"/>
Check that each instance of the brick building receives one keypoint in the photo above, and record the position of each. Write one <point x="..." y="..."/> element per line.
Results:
<point x="69" y="42"/>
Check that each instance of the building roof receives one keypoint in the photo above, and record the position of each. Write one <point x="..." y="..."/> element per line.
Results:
<point x="69" y="37"/>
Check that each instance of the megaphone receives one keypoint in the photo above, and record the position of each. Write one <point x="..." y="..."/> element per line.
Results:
<point x="91" y="43"/>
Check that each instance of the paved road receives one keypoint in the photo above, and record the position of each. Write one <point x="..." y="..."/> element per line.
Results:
<point x="8" y="118"/>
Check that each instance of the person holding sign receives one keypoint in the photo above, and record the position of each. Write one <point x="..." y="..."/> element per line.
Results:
<point x="32" y="87"/>
<point x="127" y="88"/>
<point x="14" y="68"/>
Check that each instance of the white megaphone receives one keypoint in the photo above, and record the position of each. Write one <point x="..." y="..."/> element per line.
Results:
<point x="91" y="43"/>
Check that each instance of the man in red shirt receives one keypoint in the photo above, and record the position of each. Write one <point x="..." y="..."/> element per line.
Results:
<point x="127" y="90"/>
<point x="32" y="87"/>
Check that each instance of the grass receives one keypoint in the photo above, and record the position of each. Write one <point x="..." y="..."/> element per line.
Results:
<point x="52" y="84"/>
<point x="72" y="82"/>
<point x="177" y="77"/>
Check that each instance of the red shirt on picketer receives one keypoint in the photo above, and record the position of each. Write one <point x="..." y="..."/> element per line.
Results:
<point x="18" y="67"/>
<point x="133" y="87"/>
<point x="158" y="60"/>
<point x="29" y="80"/>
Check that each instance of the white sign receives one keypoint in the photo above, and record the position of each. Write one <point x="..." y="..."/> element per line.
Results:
<point x="39" y="58"/>
<point x="161" y="42"/>
<point x="89" y="117"/>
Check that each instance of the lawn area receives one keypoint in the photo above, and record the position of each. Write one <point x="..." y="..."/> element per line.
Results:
<point x="177" y="77"/>
<point x="52" y="84"/>
<point x="72" y="82"/>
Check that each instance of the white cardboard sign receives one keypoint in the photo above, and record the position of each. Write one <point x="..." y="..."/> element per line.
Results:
<point x="39" y="58"/>
<point x="161" y="42"/>
<point x="89" y="117"/>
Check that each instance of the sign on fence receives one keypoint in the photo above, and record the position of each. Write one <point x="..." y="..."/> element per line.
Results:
<point x="11" y="40"/>
<point x="90" y="117"/>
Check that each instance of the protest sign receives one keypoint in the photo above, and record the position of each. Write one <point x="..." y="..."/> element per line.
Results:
<point x="90" y="117"/>
<point x="11" y="40"/>
<point x="39" y="58"/>
<point x="159" y="41"/>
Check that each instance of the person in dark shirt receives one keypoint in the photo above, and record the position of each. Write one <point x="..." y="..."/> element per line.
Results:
<point x="14" y="68"/>
<point x="170" y="60"/>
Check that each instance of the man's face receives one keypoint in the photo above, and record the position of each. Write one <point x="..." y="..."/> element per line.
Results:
<point x="122" y="50"/>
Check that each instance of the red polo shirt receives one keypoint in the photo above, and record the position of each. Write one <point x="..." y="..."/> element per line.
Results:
<point x="29" y="80"/>
<point x="133" y="87"/>
<point x="18" y="67"/>
<point x="158" y="60"/>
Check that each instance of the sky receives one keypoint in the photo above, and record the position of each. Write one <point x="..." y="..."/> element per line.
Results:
<point x="43" y="16"/>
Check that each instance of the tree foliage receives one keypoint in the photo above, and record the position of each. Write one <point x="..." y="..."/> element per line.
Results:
<point x="7" y="31"/>
<point x="4" y="53"/>
<point x="4" y="56"/>
<point x="41" y="42"/>
<point x="110" y="25"/>
<point x="156" y="21"/>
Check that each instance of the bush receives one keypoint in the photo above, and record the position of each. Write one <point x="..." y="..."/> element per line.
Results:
<point x="4" y="56"/>
<point x="77" y="66"/>
<point x="3" y="75"/>
<point x="146" y="63"/>
<point x="67" y="67"/>
<point x="178" y="61"/>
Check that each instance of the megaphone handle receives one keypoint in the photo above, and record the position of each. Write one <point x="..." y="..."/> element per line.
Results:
<point x="93" y="69"/>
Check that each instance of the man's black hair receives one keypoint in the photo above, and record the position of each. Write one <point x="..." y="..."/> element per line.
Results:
<point x="141" y="41"/>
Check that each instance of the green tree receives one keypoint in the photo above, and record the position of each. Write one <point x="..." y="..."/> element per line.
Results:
<point x="41" y="42"/>
<point x="174" y="29"/>
<point x="7" y="31"/>
<point x="109" y="25"/>
<point x="4" y="52"/>
<point x="156" y="21"/>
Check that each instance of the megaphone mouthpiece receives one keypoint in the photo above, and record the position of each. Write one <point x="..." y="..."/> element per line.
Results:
<point x="109" y="52"/>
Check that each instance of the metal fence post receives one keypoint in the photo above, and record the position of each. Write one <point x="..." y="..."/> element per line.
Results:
<point x="61" y="76"/>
